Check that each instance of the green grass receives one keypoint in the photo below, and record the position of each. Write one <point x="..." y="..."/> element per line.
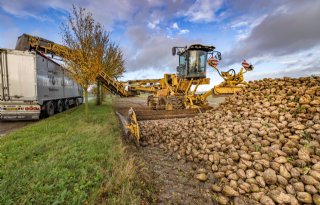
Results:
<point x="66" y="160"/>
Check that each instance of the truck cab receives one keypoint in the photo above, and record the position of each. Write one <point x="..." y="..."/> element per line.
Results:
<point x="192" y="60"/>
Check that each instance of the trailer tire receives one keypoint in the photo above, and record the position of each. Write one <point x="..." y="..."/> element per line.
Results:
<point x="66" y="104"/>
<point x="59" y="107"/>
<point x="50" y="108"/>
<point x="77" y="102"/>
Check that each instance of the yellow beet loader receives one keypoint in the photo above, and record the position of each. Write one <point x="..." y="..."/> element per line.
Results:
<point x="176" y="94"/>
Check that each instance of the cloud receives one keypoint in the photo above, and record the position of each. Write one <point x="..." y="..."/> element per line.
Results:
<point x="183" y="31"/>
<point x="138" y="36"/>
<point x="294" y="73"/>
<point x="203" y="10"/>
<point x="175" y="26"/>
<point x="144" y="48"/>
<point x="6" y="40"/>
<point x="250" y="9"/>
<point x="149" y="73"/>
<point x="8" y="32"/>
<point x="25" y="9"/>
<point x="291" y="29"/>
<point x="147" y="29"/>
<point x="153" y="24"/>
<point x="150" y="50"/>
<point x="239" y="24"/>
<point x="104" y="11"/>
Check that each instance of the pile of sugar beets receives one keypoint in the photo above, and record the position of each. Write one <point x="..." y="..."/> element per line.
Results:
<point x="262" y="143"/>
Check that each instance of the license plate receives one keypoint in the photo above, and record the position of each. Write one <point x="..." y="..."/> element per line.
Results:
<point x="11" y="108"/>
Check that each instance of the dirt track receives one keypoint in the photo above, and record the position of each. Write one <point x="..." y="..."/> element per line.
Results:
<point x="6" y="127"/>
<point x="173" y="180"/>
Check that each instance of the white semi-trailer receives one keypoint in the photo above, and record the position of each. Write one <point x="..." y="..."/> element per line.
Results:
<point x="33" y="85"/>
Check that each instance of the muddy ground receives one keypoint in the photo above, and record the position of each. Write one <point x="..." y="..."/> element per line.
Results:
<point x="173" y="181"/>
<point x="6" y="127"/>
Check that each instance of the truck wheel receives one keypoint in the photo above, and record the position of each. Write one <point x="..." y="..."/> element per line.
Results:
<point x="59" y="106"/>
<point x="77" y="102"/>
<point x="66" y="104"/>
<point x="50" y="108"/>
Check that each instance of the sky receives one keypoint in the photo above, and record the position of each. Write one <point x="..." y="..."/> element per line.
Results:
<point x="279" y="37"/>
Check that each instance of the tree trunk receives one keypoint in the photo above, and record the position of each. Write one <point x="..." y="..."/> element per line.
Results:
<point x="99" y="93"/>
<point x="86" y="104"/>
<point x="103" y="94"/>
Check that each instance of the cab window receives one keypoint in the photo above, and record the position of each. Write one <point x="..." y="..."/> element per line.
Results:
<point x="203" y="61"/>
<point x="182" y="61"/>
<point x="197" y="61"/>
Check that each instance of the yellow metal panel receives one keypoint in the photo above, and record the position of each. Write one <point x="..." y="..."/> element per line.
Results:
<point x="226" y="90"/>
<point x="162" y="92"/>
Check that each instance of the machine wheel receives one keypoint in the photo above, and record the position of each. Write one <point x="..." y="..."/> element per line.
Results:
<point x="59" y="107"/>
<point x="176" y="103"/>
<point x="151" y="102"/>
<point x="162" y="102"/>
<point x="66" y="104"/>
<point x="50" y="108"/>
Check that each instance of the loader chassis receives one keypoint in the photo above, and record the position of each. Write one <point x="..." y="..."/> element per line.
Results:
<point x="176" y="92"/>
<point x="179" y="91"/>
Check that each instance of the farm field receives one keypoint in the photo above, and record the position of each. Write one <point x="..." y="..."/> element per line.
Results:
<point x="66" y="160"/>
<point x="251" y="148"/>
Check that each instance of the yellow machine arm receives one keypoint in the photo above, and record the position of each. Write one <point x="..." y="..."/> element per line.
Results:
<point x="146" y="85"/>
<point x="29" y="42"/>
<point x="233" y="82"/>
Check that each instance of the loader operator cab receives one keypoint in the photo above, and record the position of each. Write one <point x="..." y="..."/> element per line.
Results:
<point x="192" y="60"/>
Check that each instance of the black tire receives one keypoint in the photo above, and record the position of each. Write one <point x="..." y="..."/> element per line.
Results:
<point x="50" y="108"/>
<point x="59" y="107"/>
<point x="151" y="102"/>
<point x="175" y="102"/>
<point x="161" y="105"/>
<point x="66" y="104"/>
<point x="77" y="101"/>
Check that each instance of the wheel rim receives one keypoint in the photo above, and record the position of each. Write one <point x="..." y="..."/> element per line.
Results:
<point x="66" y="104"/>
<point x="50" y="109"/>
<point x="60" y="107"/>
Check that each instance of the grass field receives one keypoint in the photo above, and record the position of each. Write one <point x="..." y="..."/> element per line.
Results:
<point x="66" y="160"/>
